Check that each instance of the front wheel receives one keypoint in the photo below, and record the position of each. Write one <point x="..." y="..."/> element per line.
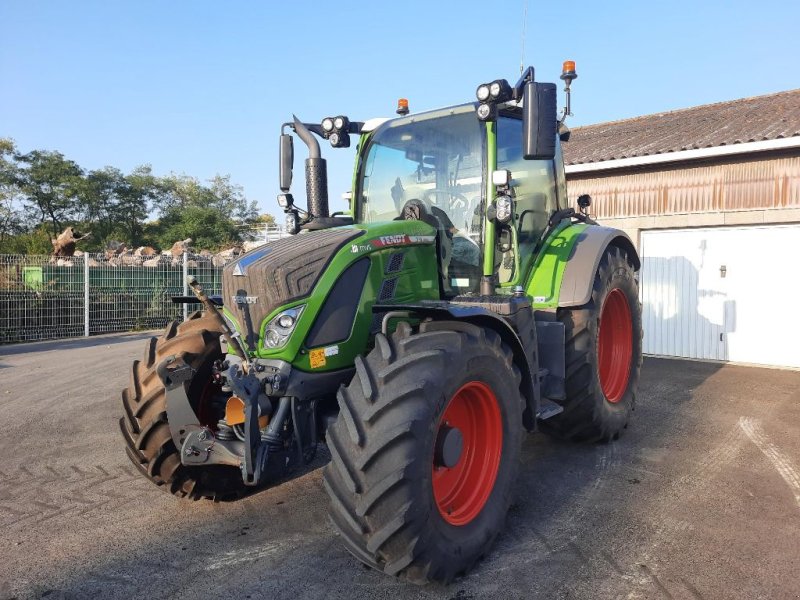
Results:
<point x="425" y="450"/>
<point x="603" y="355"/>
<point x="145" y="428"/>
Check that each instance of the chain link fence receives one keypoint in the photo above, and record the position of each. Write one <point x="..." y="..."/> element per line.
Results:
<point x="43" y="298"/>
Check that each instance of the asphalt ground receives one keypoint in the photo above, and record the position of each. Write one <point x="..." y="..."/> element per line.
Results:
<point x="699" y="499"/>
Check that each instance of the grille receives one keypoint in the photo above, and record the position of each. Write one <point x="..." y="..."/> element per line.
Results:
<point x="387" y="289"/>
<point x="395" y="263"/>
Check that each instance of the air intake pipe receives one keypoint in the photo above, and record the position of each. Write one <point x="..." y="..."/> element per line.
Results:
<point x="316" y="175"/>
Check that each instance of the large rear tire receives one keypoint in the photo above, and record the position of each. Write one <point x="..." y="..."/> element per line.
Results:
<point x="603" y="355"/>
<point x="425" y="450"/>
<point x="145" y="427"/>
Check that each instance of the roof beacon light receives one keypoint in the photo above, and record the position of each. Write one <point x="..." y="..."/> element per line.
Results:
<point x="402" y="106"/>
<point x="568" y="71"/>
<point x="568" y="75"/>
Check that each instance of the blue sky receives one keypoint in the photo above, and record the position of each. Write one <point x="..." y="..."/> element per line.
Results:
<point x="202" y="87"/>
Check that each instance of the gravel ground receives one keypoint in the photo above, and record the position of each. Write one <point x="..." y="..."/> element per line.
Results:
<point x="699" y="499"/>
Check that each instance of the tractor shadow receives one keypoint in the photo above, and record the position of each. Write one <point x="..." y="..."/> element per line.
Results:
<point x="278" y="542"/>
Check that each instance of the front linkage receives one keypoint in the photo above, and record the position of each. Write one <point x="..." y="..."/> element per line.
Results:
<point x="241" y="439"/>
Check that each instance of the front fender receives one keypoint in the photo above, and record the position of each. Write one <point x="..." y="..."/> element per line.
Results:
<point x="482" y="317"/>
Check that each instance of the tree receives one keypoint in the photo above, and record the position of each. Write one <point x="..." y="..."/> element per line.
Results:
<point x="49" y="185"/>
<point x="11" y="222"/>
<point x="266" y="219"/>
<point x="230" y="200"/>
<point x="211" y="215"/>
<point x="134" y="201"/>
<point x="207" y="227"/>
<point x="99" y="198"/>
<point x="42" y="192"/>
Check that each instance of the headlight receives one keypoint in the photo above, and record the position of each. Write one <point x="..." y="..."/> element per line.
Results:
<point x="285" y="200"/>
<point x="292" y="224"/>
<point x="327" y="124"/>
<point x="281" y="327"/>
<point x="503" y="207"/>
<point x="482" y="92"/>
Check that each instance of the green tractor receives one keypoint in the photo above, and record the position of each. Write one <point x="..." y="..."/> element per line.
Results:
<point x="459" y="302"/>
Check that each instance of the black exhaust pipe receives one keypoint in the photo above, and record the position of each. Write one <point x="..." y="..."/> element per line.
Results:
<point x="316" y="175"/>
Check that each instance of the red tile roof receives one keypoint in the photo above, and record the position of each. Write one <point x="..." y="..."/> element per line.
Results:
<point x="753" y="119"/>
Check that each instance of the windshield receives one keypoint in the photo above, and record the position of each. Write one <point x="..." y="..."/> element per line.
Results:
<point x="434" y="160"/>
<point x="434" y="157"/>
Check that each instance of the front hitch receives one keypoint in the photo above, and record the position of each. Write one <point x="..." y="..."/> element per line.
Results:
<point x="247" y="387"/>
<point x="198" y="443"/>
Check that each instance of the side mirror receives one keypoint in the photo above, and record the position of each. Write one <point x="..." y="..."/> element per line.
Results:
<point x="286" y="156"/>
<point x="584" y="202"/>
<point x="539" y="121"/>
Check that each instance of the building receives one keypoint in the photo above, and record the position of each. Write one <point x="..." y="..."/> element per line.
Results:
<point x="711" y="197"/>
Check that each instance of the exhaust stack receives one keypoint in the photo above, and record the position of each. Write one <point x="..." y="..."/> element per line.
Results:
<point x="316" y="176"/>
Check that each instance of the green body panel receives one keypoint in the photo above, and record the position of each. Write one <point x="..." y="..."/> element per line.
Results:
<point x="544" y="284"/>
<point x="418" y="280"/>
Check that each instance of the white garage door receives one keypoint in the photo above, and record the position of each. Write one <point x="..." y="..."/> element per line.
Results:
<point x="726" y="293"/>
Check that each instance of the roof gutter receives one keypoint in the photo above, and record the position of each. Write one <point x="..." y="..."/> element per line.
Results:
<point x="669" y="157"/>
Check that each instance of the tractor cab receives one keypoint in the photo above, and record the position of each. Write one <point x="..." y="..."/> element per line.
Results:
<point x="433" y="167"/>
<point x="487" y="176"/>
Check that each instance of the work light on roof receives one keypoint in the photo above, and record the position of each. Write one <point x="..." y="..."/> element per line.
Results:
<point x="487" y="112"/>
<point x="500" y="90"/>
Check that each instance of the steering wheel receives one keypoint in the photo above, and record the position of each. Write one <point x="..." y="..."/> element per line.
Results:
<point x="419" y="210"/>
<point x="455" y="199"/>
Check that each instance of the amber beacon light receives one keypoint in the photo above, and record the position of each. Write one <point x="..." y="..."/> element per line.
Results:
<point x="568" y="75"/>
<point x="402" y="106"/>
<point x="568" y="71"/>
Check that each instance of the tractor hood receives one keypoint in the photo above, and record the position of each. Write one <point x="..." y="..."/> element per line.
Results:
<point x="278" y="273"/>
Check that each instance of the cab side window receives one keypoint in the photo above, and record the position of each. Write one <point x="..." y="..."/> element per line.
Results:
<point x="534" y="185"/>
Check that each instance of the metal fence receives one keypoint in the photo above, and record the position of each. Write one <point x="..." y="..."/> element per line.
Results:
<point x="261" y="234"/>
<point x="45" y="298"/>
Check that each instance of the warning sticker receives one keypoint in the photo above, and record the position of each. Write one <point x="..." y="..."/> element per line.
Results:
<point x="332" y="350"/>
<point x="317" y="358"/>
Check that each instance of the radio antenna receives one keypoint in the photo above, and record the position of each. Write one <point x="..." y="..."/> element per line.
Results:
<point x="524" y="29"/>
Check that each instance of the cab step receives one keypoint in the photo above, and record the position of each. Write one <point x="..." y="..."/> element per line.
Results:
<point x="548" y="408"/>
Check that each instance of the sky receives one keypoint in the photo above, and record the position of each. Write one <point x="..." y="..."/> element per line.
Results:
<point x="203" y="87"/>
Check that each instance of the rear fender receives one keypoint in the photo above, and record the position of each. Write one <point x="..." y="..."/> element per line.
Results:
<point x="590" y="245"/>
<point x="563" y="274"/>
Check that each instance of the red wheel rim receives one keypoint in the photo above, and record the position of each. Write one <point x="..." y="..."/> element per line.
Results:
<point x="615" y="345"/>
<point x="462" y="490"/>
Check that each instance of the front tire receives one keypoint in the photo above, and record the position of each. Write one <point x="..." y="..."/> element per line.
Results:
<point x="603" y="355"/>
<point x="145" y="427"/>
<point x="402" y="499"/>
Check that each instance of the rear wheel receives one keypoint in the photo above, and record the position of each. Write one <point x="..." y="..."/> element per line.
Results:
<point x="425" y="450"/>
<point x="603" y="355"/>
<point x="145" y="427"/>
